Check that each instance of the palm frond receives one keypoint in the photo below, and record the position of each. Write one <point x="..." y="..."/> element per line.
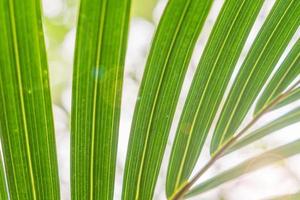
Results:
<point x="273" y="38"/>
<point x="212" y="76"/>
<point x="29" y="169"/>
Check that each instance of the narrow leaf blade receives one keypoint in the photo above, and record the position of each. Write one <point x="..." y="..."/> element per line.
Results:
<point x="96" y="101"/>
<point x="27" y="130"/>
<point x="167" y="62"/>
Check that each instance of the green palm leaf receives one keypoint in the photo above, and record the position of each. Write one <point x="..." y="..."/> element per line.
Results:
<point x="27" y="131"/>
<point x="247" y="166"/>
<point x="97" y="88"/>
<point x="29" y="170"/>
<point x="214" y="71"/>
<point x="220" y="152"/>
<point x="169" y="57"/>
<point x="288" y="71"/>
<point x="282" y="122"/>
<point x="265" y="52"/>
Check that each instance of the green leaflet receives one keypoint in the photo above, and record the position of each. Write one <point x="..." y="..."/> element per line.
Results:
<point x="169" y="57"/>
<point x="26" y="124"/>
<point x="282" y="122"/>
<point x="288" y="71"/>
<point x="295" y="196"/>
<point x="247" y="166"/>
<point x="265" y="52"/>
<point x="292" y="97"/>
<point x="96" y="101"/>
<point x="3" y="191"/>
<point x="214" y="71"/>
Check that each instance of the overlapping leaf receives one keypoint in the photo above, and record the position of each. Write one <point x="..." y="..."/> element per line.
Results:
<point x="213" y="73"/>
<point x="26" y="124"/>
<point x="97" y="88"/>
<point x="167" y="62"/>
<point x="265" y="52"/>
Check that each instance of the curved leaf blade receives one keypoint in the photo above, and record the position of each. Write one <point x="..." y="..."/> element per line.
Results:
<point x="213" y="73"/>
<point x="247" y="166"/>
<point x="288" y="71"/>
<point x="166" y="66"/>
<point x="96" y="101"/>
<point x="289" y="118"/>
<point x="265" y="52"/>
<point x="26" y="123"/>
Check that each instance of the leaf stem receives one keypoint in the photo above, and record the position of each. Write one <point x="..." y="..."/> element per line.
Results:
<point x="187" y="185"/>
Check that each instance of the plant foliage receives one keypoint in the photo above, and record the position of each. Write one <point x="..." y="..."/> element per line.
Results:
<point x="28" y="168"/>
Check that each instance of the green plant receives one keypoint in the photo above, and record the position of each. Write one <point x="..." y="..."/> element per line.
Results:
<point x="27" y="131"/>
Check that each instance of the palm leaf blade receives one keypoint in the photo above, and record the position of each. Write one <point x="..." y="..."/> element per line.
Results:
<point x="96" y="101"/>
<point x="167" y="62"/>
<point x="27" y="130"/>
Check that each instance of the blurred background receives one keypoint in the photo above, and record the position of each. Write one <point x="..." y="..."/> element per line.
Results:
<point x="60" y="18"/>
